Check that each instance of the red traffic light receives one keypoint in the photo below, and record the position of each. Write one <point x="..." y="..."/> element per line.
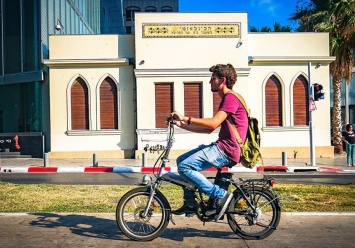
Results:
<point x="318" y="92"/>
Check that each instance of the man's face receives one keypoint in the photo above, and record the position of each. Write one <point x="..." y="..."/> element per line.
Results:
<point x="215" y="82"/>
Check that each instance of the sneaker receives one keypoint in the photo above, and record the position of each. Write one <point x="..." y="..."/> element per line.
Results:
<point x="185" y="209"/>
<point x="217" y="206"/>
<point x="220" y="202"/>
<point x="349" y="165"/>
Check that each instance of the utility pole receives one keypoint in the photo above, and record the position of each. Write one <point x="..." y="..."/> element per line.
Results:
<point x="311" y="128"/>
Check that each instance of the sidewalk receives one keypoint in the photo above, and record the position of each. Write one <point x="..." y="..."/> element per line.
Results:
<point x="336" y="164"/>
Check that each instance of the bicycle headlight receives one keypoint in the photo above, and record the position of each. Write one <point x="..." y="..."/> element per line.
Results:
<point x="146" y="180"/>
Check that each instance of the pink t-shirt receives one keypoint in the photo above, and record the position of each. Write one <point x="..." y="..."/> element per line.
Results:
<point x="227" y="141"/>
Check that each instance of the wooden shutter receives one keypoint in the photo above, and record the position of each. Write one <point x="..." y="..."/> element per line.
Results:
<point x="216" y="101"/>
<point x="193" y="99"/>
<point x="108" y="105"/>
<point x="79" y="105"/>
<point x="300" y="102"/>
<point x="163" y="103"/>
<point x="273" y="95"/>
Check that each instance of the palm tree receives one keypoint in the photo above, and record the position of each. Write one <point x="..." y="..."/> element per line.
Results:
<point x="277" y="28"/>
<point x="337" y="17"/>
<point x="280" y="28"/>
<point x="304" y="9"/>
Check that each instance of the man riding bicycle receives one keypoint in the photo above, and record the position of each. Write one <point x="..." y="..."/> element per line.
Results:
<point x="224" y="151"/>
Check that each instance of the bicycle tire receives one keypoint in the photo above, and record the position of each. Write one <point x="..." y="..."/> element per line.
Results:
<point x="267" y="218"/>
<point x="132" y="224"/>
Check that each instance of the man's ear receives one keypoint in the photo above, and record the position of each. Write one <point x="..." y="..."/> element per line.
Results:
<point x="223" y="81"/>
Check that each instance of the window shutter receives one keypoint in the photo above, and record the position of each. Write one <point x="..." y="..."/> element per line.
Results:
<point x="108" y="105"/>
<point x="300" y="102"/>
<point x="79" y="105"/>
<point x="216" y="102"/>
<point x="193" y="99"/>
<point x="273" y="95"/>
<point x="163" y="103"/>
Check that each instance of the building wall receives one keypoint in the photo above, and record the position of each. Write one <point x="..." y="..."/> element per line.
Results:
<point x="302" y="45"/>
<point x="180" y="60"/>
<point x="93" y="58"/>
<point x="129" y="24"/>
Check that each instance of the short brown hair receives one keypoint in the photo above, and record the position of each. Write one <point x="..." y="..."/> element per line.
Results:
<point x="226" y="71"/>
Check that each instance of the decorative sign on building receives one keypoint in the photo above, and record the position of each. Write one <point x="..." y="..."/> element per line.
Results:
<point x="191" y="30"/>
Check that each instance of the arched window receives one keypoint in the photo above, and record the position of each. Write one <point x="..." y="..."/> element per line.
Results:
<point x="300" y="102"/>
<point x="166" y="9"/>
<point x="273" y="102"/>
<point x="130" y="12"/>
<point x="79" y="105"/>
<point x="150" y="9"/>
<point x="108" y="104"/>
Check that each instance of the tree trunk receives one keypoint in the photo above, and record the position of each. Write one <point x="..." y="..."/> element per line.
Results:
<point x="336" y="115"/>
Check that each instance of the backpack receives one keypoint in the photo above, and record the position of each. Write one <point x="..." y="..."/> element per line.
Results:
<point x="250" y="150"/>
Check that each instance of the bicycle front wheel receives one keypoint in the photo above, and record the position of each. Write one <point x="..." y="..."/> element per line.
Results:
<point x="258" y="223"/>
<point x="130" y="215"/>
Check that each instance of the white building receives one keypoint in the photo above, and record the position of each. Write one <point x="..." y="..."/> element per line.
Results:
<point x="102" y="103"/>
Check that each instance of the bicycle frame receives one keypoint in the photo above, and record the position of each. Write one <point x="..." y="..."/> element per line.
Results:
<point x="253" y="210"/>
<point x="173" y="178"/>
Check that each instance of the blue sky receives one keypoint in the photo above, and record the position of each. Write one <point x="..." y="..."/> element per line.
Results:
<point x="260" y="12"/>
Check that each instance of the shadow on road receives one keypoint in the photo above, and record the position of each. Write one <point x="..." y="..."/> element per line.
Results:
<point x="104" y="228"/>
<point x="83" y="225"/>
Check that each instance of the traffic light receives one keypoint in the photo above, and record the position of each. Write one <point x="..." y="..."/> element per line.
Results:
<point x="318" y="92"/>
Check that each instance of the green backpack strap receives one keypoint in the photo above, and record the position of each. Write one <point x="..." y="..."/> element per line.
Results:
<point x="236" y="133"/>
<point x="229" y="118"/>
<point x="247" y="159"/>
<point x="241" y="99"/>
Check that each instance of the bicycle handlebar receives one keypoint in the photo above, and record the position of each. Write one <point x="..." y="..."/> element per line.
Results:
<point x="168" y="119"/>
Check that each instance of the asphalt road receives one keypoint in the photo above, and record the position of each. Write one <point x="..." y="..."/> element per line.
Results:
<point x="133" y="178"/>
<point x="296" y="230"/>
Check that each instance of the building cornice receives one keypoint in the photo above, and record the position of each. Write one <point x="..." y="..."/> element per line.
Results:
<point x="183" y="72"/>
<point x="85" y="62"/>
<point x="273" y="60"/>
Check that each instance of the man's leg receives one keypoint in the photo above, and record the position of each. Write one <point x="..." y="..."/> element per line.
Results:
<point x="189" y="166"/>
<point x="190" y="203"/>
<point x="205" y="158"/>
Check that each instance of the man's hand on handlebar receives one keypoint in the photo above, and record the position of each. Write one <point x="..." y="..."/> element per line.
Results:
<point x="176" y="118"/>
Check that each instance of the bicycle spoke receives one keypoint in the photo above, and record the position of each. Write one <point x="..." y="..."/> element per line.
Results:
<point x="132" y="220"/>
<point x="257" y="220"/>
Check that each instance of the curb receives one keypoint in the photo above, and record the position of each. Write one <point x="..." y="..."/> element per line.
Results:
<point x="103" y="169"/>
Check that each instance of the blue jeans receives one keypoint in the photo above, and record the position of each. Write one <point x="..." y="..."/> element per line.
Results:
<point x="189" y="164"/>
<point x="350" y="153"/>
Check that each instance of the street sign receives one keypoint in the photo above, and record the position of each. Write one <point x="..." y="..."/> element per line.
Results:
<point x="312" y="105"/>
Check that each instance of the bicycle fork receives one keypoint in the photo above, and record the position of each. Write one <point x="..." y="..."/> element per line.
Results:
<point x="150" y="200"/>
<point x="151" y="196"/>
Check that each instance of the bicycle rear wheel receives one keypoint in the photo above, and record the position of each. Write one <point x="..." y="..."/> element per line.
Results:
<point x="258" y="224"/>
<point x="130" y="220"/>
